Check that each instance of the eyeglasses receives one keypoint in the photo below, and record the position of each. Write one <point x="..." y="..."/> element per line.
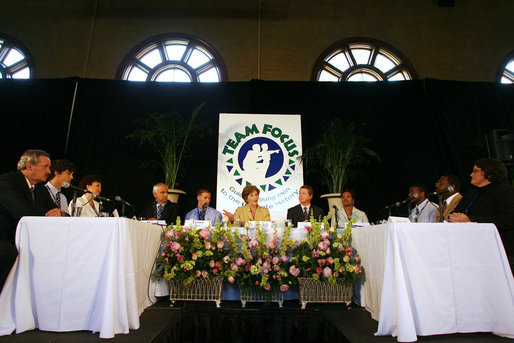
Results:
<point x="476" y="171"/>
<point x="441" y="183"/>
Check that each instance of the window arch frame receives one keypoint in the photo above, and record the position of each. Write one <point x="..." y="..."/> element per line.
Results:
<point x="9" y="43"/>
<point x="159" y="41"/>
<point x="502" y="69"/>
<point x="377" y="46"/>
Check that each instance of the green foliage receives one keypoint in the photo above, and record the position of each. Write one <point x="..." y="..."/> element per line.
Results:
<point x="338" y="150"/>
<point x="168" y="134"/>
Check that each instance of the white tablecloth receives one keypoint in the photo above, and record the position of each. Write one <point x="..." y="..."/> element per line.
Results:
<point x="79" y="274"/>
<point x="428" y="279"/>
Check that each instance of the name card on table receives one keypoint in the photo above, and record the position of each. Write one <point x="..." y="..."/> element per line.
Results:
<point x="261" y="224"/>
<point x="398" y="220"/>
<point x="303" y="225"/>
<point x="199" y="224"/>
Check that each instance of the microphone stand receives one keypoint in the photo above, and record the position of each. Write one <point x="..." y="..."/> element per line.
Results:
<point x="441" y="212"/>
<point x="74" y="203"/>
<point x="335" y="215"/>
<point x="123" y="209"/>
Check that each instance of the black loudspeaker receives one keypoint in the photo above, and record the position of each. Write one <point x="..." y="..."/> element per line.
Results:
<point x="500" y="144"/>
<point x="446" y="3"/>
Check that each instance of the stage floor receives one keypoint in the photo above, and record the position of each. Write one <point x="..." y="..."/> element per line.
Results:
<point x="202" y="322"/>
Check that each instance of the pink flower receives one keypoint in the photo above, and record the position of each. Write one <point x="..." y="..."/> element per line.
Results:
<point x="294" y="240"/>
<point x="166" y="260"/>
<point x="169" y="234"/>
<point x="275" y="260"/>
<point x="259" y="260"/>
<point x="233" y="267"/>
<point x="357" y="259"/>
<point x="284" y="258"/>
<point x="294" y="271"/>
<point x="349" y="253"/>
<point x="358" y="269"/>
<point x="207" y="245"/>
<point x="284" y="288"/>
<point x="239" y="261"/>
<point x="217" y="264"/>
<point x="276" y="267"/>
<point x="264" y="270"/>
<point x="175" y="246"/>
<point x="256" y="283"/>
<point x="271" y="245"/>
<point x="179" y="257"/>
<point x="204" y="234"/>
<point x="194" y="257"/>
<point x="211" y="263"/>
<point x="247" y="267"/>
<point x="253" y="243"/>
<point x="205" y="274"/>
<point x="214" y="271"/>
<point x="220" y="244"/>
<point x="267" y="286"/>
<point x="231" y="279"/>
<point x="325" y="235"/>
<point x="327" y="272"/>
<point x="323" y="246"/>
<point x="308" y="228"/>
<point x="187" y="238"/>
<point x="329" y="261"/>
<point x="319" y="270"/>
<point x="198" y="273"/>
<point x="315" y="253"/>
<point x="321" y="261"/>
<point x="265" y="255"/>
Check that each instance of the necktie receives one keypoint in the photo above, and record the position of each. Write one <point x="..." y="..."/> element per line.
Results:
<point x="159" y="211"/>
<point x="58" y="199"/>
<point x="32" y="193"/>
<point x="202" y="215"/>
<point x="417" y="212"/>
<point x="305" y="213"/>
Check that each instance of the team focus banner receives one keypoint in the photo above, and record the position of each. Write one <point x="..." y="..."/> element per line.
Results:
<point x="260" y="150"/>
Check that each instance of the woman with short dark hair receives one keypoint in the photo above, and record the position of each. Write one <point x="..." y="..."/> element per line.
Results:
<point x="86" y="206"/>
<point x="252" y="211"/>
<point x="491" y="200"/>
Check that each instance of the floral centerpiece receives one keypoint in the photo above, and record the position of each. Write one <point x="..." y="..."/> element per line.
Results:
<point x="326" y="255"/>
<point x="190" y="254"/>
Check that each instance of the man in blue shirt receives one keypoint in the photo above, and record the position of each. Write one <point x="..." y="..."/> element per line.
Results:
<point x="202" y="210"/>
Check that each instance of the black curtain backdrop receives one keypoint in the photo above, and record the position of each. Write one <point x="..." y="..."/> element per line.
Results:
<point x="420" y="129"/>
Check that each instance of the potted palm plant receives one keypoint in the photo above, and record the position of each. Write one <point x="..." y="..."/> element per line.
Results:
<point x="336" y="153"/>
<point x="168" y="134"/>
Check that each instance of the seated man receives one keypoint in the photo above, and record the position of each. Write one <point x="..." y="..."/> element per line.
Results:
<point x="202" y="210"/>
<point x="424" y="210"/>
<point x="61" y="171"/>
<point x="17" y="199"/>
<point x="302" y="212"/>
<point x="161" y="208"/>
<point x="450" y="199"/>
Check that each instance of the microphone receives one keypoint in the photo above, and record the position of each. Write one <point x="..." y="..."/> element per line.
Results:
<point x="95" y="196"/>
<point x="400" y="203"/>
<point x="442" y="191"/>
<point x="118" y="198"/>
<point x="335" y="208"/>
<point x="205" y="205"/>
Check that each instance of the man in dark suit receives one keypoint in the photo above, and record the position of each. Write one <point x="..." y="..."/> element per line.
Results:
<point x="18" y="199"/>
<point x="161" y="208"/>
<point x="302" y="212"/>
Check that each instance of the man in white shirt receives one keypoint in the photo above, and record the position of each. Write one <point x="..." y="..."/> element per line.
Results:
<point x="450" y="199"/>
<point x="62" y="171"/>
<point x="424" y="210"/>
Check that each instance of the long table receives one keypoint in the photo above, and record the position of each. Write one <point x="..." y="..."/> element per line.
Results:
<point x="79" y="274"/>
<point x="429" y="279"/>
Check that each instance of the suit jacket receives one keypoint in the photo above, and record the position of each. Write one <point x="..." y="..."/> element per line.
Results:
<point x="244" y="214"/>
<point x="449" y="209"/>
<point x="169" y="213"/>
<point x="295" y="213"/>
<point x="493" y="204"/>
<point x="15" y="202"/>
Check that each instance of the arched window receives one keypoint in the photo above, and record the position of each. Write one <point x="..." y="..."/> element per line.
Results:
<point x="173" y="57"/>
<point x="362" y="59"/>
<point x="15" y="60"/>
<point x="505" y="73"/>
